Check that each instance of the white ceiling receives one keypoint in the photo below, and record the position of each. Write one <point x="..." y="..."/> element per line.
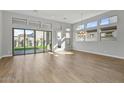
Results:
<point x="68" y="16"/>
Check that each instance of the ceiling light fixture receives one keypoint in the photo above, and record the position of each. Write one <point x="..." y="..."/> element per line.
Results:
<point x="82" y="32"/>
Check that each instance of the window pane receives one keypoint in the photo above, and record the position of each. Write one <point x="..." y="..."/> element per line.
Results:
<point x="104" y="21"/>
<point x="109" y="20"/>
<point x="110" y="35"/>
<point x="80" y="27"/>
<point x="67" y="35"/>
<point x="39" y="41"/>
<point x="18" y="41"/>
<point x="59" y="35"/>
<point x="80" y="36"/>
<point x="91" y="36"/>
<point x="92" y="24"/>
<point x="113" y="19"/>
<point x="29" y="41"/>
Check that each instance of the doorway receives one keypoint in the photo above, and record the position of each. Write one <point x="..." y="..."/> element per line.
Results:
<point x="27" y="41"/>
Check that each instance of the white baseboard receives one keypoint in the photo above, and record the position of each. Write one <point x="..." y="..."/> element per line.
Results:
<point x="103" y="54"/>
<point x="6" y="56"/>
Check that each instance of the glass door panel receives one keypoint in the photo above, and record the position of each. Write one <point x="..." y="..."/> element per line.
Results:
<point x="49" y="41"/>
<point x="39" y="41"/>
<point x="45" y="41"/>
<point x="29" y="41"/>
<point x="18" y="42"/>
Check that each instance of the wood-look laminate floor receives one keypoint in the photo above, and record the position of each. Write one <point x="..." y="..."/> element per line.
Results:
<point x="61" y="68"/>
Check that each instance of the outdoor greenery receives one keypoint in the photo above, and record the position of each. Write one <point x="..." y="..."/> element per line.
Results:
<point x="30" y="48"/>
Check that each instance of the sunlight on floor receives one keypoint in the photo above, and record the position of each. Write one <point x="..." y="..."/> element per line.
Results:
<point x="53" y="54"/>
<point x="61" y="52"/>
<point x="65" y="52"/>
<point x="56" y="55"/>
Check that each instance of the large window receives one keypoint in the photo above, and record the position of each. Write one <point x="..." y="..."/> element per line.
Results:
<point x="104" y="21"/>
<point x="80" y="36"/>
<point x="91" y="24"/>
<point x="108" y="33"/>
<point x="113" y="19"/>
<point x="91" y="35"/>
<point x="89" y="32"/>
<point x="108" y="20"/>
<point x="80" y="27"/>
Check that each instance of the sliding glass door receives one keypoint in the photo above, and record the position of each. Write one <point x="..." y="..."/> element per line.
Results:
<point x="43" y="41"/>
<point x="31" y="41"/>
<point x="39" y="41"/>
<point x="48" y="41"/>
<point x="18" y="45"/>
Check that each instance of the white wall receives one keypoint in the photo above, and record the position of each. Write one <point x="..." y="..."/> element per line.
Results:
<point x="114" y="48"/>
<point x="110" y="48"/>
<point x="7" y="30"/>
<point x="0" y="34"/>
